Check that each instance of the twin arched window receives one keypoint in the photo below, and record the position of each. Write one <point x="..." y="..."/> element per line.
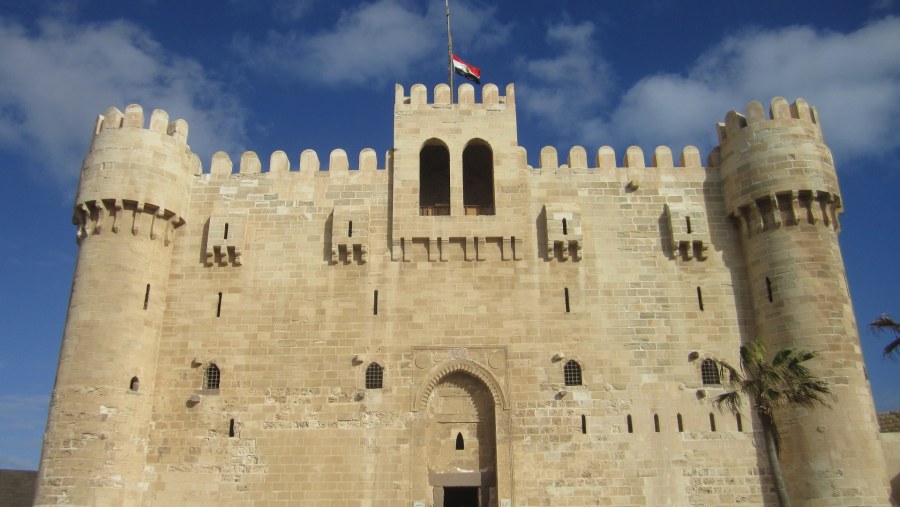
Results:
<point x="434" y="178"/>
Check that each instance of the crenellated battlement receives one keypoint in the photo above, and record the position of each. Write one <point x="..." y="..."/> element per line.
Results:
<point x="490" y="96"/>
<point x="779" y="109"/>
<point x="222" y="166"/>
<point x="605" y="158"/>
<point x="133" y="117"/>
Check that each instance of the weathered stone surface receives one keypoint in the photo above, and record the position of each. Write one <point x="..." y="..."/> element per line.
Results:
<point x="326" y="337"/>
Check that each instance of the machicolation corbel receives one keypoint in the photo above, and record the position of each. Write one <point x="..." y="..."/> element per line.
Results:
<point x="688" y="232"/>
<point x="349" y="235"/>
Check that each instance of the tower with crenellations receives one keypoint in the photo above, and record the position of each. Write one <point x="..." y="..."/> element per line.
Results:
<point x="450" y="325"/>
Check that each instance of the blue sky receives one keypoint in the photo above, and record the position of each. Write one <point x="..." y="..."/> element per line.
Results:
<point x="297" y="74"/>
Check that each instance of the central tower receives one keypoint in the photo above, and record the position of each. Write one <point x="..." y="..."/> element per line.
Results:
<point x="456" y="171"/>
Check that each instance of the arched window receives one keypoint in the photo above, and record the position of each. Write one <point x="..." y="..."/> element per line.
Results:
<point x="135" y="384"/>
<point x="434" y="179"/>
<point x="374" y="376"/>
<point x="478" y="179"/>
<point x="709" y="372"/>
<point x="212" y="377"/>
<point x="460" y="443"/>
<point x="572" y="373"/>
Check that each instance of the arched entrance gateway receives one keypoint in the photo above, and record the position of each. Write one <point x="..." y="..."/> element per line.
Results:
<point x="460" y="438"/>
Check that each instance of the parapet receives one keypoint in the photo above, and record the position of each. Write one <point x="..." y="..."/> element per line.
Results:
<point x="606" y="159"/>
<point x="279" y="163"/>
<point x="779" y="109"/>
<point x="133" y="117"/>
<point x="490" y="96"/>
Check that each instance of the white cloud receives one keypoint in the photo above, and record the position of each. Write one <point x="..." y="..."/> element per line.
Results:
<point x="373" y="43"/>
<point x="852" y="78"/>
<point x="291" y="10"/>
<point x="566" y="91"/>
<point x="56" y="79"/>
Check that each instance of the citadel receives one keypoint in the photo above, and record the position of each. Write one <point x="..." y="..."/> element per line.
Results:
<point x="449" y="326"/>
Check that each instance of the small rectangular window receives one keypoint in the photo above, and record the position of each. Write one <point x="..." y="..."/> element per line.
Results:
<point x="700" y="298"/>
<point x="566" y="292"/>
<point x="375" y="303"/>
<point x="147" y="297"/>
<point x="583" y="424"/>
<point x="769" y="289"/>
<point x="219" y="306"/>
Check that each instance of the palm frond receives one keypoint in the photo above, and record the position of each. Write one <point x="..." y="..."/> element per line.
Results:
<point x="731" y="401"/>
<point x="893" y="349"/>
<point x="885" y="324"/>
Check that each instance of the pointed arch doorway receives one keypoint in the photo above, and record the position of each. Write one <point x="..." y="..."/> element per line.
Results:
<point x="456" y="439"/>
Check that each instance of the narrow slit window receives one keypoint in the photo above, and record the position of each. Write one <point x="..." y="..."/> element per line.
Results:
<point x="375" y="303"/>
<point x="628" y="423"/>
<point x="572" y="373"/>
<point x="350" y="229"/>
<point x="656" y="422"/>
<point x="769" y="289"/>
<point x="680" y="423"/>
<point x="231" y="428"/>
<point x="374" y="376"/>
<point x="700" y="298"/>
<point x="219" y="306"/>
<point x="709" y="373"/>
<point x="134" y="385"/>
<point x="688" y="223"/>
<point x="212" y="378"/>
<point x="712" y="422"/>
<point x="460" y="443"/>
<point x="566" y="293"/>
<point x="583" y="424"/>
<point x="565" y="227"/>
<point x="225" y="236"/>
<point x="740" y="422"/>
<point x="147" y="297"/>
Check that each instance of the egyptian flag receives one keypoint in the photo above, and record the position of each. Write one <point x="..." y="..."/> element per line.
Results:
<point x="465" y="70"/>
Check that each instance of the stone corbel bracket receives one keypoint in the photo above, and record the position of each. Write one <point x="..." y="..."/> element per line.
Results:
<point x="99" y="216"/>
<point x="565" y="235"/>
<point x="349" y="235"/>
<point x="225" y="238"/>
<point x="688" y="231"/>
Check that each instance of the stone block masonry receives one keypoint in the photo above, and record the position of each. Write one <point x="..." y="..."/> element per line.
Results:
<point x="448" y="324"/>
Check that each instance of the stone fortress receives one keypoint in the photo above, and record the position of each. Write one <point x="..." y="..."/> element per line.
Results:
<point x="450" y="326"/>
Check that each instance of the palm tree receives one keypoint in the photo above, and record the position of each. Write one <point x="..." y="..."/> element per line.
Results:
<point x="770" y="385"/>
<point x="885" y="324"/>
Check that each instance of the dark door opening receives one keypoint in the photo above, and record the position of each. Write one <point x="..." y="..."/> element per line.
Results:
<point x="461" y="497"/>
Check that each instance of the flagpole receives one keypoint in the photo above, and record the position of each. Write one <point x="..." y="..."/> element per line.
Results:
<point x="449" y="49"/>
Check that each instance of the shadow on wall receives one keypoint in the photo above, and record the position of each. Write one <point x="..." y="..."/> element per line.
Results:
<point x="17" y="487"/>
<point x="895" y="490"/>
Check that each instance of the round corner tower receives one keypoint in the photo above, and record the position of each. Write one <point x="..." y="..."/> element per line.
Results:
<point x="781" y="187"/>
<point x="134" y="189"/>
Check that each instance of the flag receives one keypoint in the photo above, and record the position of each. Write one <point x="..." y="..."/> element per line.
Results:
<point x="465" y="70"/>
